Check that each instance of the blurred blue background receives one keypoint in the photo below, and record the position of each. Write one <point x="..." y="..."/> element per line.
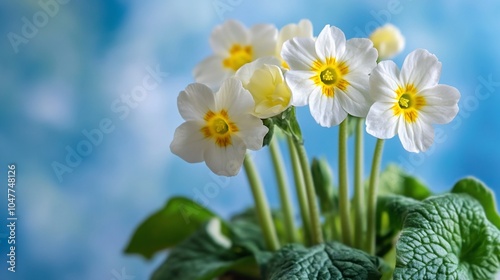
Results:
<point x="70" y="75"/>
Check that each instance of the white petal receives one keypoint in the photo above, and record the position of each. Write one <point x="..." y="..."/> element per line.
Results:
<point x="214" y="230"/>
<point x="189" y="143"/>
<point x="304" y="29"/>
<point x="263" y="39"/>
<point x="226" y="161"/>
<point x="301" y="85"/>
<point x="381" y="122"/>
<point x="195" y="101"/>
<point x="234" y="98"/>
<point x="246" y="71"/>
<point x="360" y="55"/>
<point x="330" y="43"/>
<point x="211" y="72"/>
<point x="299" y="53"/>
<point x="384" y="81"/>
<point x="251" y="130"/>
<point x="226" y="35"/>
<point x="441" y="104"/>
<point x="417" y="136"/>
<point x="326" y="111"/>
<point x="422" y="69"/>
<point x="355" y="100"/>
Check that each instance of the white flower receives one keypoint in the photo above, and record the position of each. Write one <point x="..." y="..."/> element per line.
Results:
<point x="303" y="29"/>
<point x="330" y="74"/>
<point x="234" y="45"/>
<point x="388" y="41"/>
<point x="408" y="102"/>
<point x="264" y="79"/>
<point x="219" y="126"/>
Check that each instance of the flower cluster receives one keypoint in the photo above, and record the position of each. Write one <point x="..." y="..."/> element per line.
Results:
<point x="259" y="72"/>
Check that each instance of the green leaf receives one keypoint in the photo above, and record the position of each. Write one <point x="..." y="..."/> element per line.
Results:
<point x="176" y="221"/>
<point x="324" y="261"/>
<point x="323" y="184"/>
<point x="481" y="193"/>
<point x="393" y="180"/>
<point x="202" y="257"/>
<point x="448" y="237"/>
<point x="269" y="136"/>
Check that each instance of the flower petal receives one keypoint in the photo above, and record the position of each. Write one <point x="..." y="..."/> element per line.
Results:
<point x="299" y="53"/>
<point x="360" y="55"/>
<point x="189" y="143"/>
<point x="246" y="71"/>
<point x="327" y="111"/>
<point x="195" y="101"/>
<point x="301" y="85"/>
<point x="330" y="43"/>
<point x="303" y="29"/>
<point x="226" y="161"/>
<point x="441" y="104"/>
<point x="263" y="39"/>
<point x="422" y="69"/>
<point x="417" y="136"/>
<point x="211" y="72"/>
<point x="251" y="130"/>
<point x="356" y="99"/>
<point x="384" y="81"/>
<point x="224" y="36"/>
<point x="233" y="98"/>
<point x="381" y="122"/>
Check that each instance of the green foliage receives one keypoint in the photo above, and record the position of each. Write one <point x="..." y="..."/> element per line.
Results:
<point x="481" y="193"/>
<point x="324" y="261"/>
<point x="447" y="237"/>
<point x="323" y="184"/>
<point x="169" y="226"/>
<point x="393" y="180"/>
<point x="287" y="121"/>
<point x="201" y="257"/>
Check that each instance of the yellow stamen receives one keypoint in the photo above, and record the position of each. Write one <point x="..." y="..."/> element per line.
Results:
<point x="330" y="75"/>
<point x="238" y="56"/>
<point x="408" y="102"/>
<point x="219" y="127"/>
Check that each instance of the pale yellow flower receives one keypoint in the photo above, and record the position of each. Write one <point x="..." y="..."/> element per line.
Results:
<point x="388" y="41"/>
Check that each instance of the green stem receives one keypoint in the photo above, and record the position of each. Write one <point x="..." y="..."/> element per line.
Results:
<point x="301" y="190"/>
<point x="261" y="205"/>
<point x="317" y="234"/>
<point x="359" y="190"/>
<point x="281" y="178"/>
<point x="372" y="196"/>
<point x="344" y="205"/>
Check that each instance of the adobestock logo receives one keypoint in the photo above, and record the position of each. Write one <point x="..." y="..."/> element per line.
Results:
<point x="40" y="19"/>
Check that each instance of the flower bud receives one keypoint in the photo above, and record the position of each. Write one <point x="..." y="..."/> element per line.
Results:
<point x="323" y="183"/>
<point x="388" y="41"/>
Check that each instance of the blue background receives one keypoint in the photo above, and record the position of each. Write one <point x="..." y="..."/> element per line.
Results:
<point x="66" y="77"/>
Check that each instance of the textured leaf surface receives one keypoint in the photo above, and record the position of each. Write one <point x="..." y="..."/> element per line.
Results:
<point x="448" y="237"/>
<point x="481" y="193"/>
<point x="325" y="261"/>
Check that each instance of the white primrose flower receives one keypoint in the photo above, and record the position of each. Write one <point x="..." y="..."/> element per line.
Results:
<point x="263" y="78"/>
<point x="330" y="74"/>
<point x="219" y="126"/>
<point x="234" y="45"/>
<point x="409" y="102"/>
<point x="388" y="41"/>
<point x="303" y="29"/>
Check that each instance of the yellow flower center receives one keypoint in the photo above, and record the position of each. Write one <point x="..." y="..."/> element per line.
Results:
<point x="330" y="75"/>
<point x="238" y="56"/>
<point x="218" y="126"/>
<point x="408" y="103"/>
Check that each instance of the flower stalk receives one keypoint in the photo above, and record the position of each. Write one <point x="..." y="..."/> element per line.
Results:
<point x="261" y="205"/>
<point x="359" y="191"/>
<point x="344" y="205"/>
